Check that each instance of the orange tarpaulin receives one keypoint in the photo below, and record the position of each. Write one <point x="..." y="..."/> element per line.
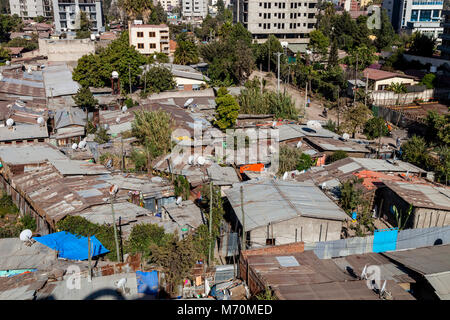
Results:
<point x="252" y="167"/>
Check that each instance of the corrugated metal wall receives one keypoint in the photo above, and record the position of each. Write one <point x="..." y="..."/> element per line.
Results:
<point x="407" y="239"/>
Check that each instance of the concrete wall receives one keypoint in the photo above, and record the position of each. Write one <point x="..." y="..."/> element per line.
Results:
<point x="388" y="98"/>
<point x="434" y="61"/>
<point x="307" y="229"/>
<point x="66" y="50"/>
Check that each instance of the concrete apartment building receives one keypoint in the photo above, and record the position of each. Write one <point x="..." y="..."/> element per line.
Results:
<point x="168" y="5"/>
<point x="67" y="14"/>
<point x="415" y="15"/>
<point x="149" y="38"/>
<point x="290" y="21"/>
<point x="194" y="9"/>
<point x="31" y="8"/>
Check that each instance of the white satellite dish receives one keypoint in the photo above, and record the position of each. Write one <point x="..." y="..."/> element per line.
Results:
<point x="40" y="120"/>
<point x="285" y="175"/>
<point x="191" y="160"/>
<point x="117" y="120"/>
<point x="92" y="36"/>
<point x="124" y="109"/>
<point x="109" y="164"/>
<point x="113" y="189"/>
<point x="9" y="122"/>
<point x="1" y="76"/>
<point x="121" y="283"/>
<point x="188" y="102"/>
<point x="179" y="200"/>
<point x="8" y="63"/>
<point x="25" y="235"/>
<point x="314" y="125"/>
<point x="201" y="160"/>
<point x="345" y="136"/>
<point x="115" y="75"/>
<point x="106" y="126"/>
<point x="82" y="144"/>
<point x="29" y="71"/>
<point x="299" y="145"/>
<point x="323" y="185"/>
<point x="274" y="124"/>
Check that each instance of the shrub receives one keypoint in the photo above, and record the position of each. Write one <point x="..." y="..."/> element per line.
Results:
<point x="337" y="155"/>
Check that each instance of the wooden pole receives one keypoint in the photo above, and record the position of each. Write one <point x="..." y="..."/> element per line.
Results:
<point x="89" y="259"/>
<point x="210" y="219"/>
<point x="115" y="229"/>
<point x="243" y="220"/>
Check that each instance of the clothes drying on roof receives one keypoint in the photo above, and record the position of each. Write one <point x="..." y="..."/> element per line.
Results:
<point x="70" y="246"/>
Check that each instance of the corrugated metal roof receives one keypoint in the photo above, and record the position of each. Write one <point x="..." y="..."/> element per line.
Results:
<point x="29" y="153"/>
<point x="290" y="131"/>
<point x="381" y="165"/>
<point x="222" y="175"/>
<point x="58" y="81"/>
<point x="268" y="201"/>
<point x="16" y="255"/>
<point x="23" y="132"/>
<point x="69" y="117"/>
<point x="101" y="214"/>
<point x="188" y="213"/>
<point x="334" y="144"/>
<point x="441" y="284"/>
<point x="428" y="260"/>
<point x="78" y="167"/>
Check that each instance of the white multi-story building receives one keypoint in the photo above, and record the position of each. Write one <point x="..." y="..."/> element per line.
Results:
<point x="31" y="8"/>
<point x="290" y="21"/>
<point x="194" y="9"/>
<point x="67" y="14"/>
<point x="168" y="5"/>
<point x="416" y="15"/>
<point x="148" y="38"/>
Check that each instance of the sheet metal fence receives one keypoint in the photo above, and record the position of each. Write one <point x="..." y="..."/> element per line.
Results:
<point x="406" y="239"/>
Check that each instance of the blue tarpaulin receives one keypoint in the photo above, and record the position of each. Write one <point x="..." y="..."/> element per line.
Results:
<point x="385" y="240"/>
<point x="70" y="246"/>
<point x="147" y="282"/>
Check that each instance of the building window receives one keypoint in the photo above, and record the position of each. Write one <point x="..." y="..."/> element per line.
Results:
<point x="152" y="34"/>
<point x="425" y="15"/>
<point x="152" y="45"/>
<point x="140" y="34"/>
<point x="140" y="46"/>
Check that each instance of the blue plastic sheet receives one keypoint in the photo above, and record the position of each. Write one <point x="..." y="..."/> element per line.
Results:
<point x="147" y="282"/>
<point x="385" y="240"/>
<point x="70" y="246"/>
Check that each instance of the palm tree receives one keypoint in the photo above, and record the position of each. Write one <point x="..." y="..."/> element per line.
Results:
<point x="397" y="88"/>
<point x="186" y="52"/>
<point x="134" y="8"/>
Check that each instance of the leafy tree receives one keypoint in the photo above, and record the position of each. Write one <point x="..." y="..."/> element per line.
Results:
<point x="337" y="155"/>
<point x="363" y="54"/>
<point x="375" y="127"/>
<point x="177" y="258"/>
<point x="355" y="117"/>
<point x="438" y="128"/>
<point x="397" y="87"/>
<point x="350" y="195"/>
<point x="429" y="80"/>
<point x="9" y="23"/>
<point x="182" y="187"/>
<point x="137" y="8"/>
<point x="442" y="168"/>
<point x="264" y="54"/>
<point x="28" y="45"/>
<point x="90" y="128"/>
<point x="385" y="35"/>
<point x="144" y="235"/>
<point x="333" y="57"/>
<point x="402" y="218"/>
<point x="101" y="135"/>
<point x="186" y="51"/>
<point x="84" y="98"/>
<point x="422" y="45"/>
<point x="415" y="151"/>
<point x="157" y="79"/>
<point x="318" y="43"/>
<point x="4" y="54"/>
<point x="158" y="15"/>
<point x="139" y="159"/>
<point x="293" y="159"/>
<point x="227" y="109"/>
<point x="153" y="129"/>
<point x="85" y="26"/>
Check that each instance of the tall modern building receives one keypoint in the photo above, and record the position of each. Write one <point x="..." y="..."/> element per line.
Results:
<point x="168" y="5"/>
<point x="31" y="8"/>
<point x="415" y="15"/>
<point x="67" y="14"/>
<point x="445" y="36"/>
<point x="194" y="9"/>
<point x="289" y="20"/>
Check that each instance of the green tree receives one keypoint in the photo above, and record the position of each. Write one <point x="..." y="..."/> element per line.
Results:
<point x="9" y="23"/>
<point x="402" y="218"/>
<point x="385" y="35"/>
<point x="182" y="187"/>
<point x="84" y="98"/>
<point x="186" y="51"/>
<point x="4" y="54"/>
<point x="153" y="129"/>
<point x="429" y="80"/>
<point x="350" y="197"/>
<point x="422" y="45"/>
<point x="363" y="54"/>
<point x="337" y="155"/>
<point x="85" y="26"/>
<point x="177" y="258"/>
<point x="139" y="159"/>
<point x="438" y="128"/>
<point x="415" y="151"/>
<point x="158" y="15"/>
<point x="227" y="109"/>
<point x="101" y="135"/>
<point x="333" y="58"/>
<point x="355" y="117"/>
<point x="137" y="8"/>
<point x="157" y="79"/>
<point x="318" y="43"/>
<point x="375" y="127"/>
<point x="144" y="235"/>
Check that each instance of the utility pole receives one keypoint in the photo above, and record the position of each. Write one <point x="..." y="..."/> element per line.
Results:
<point x="261" y="79"/>
<point x="123" y="158"/>
<point x="115" y="229"/>
<point x="243" y="220"/>
<point x="278" y="54"/>
<point x="268" y="62"/>
<point x="129" y="76"/>
<point x="89" y="259"/>
<point x="356" y="82"/>
<point x="338" y="107"/>
<point x="365" y="95"/>
<point x="210" y="219"/>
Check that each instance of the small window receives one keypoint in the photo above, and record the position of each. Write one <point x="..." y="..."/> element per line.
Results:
<point x="287" y="261"/>
<point x="152" y="34"/>
<point x="152" y="45"/>
<point x="140" y="34"/>
<point x="140" y="46"/>
<point x="270" y="242"/>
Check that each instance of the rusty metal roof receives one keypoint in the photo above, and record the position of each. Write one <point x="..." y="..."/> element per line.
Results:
<point x="187" y="213"/>
<point x="332" y="144"/>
